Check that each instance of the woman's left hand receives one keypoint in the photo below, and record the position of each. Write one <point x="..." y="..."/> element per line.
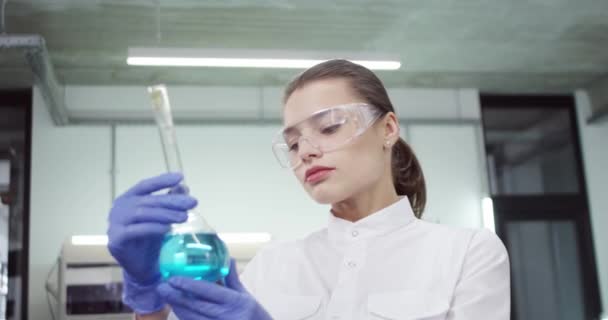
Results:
<point x="201" y="300"/>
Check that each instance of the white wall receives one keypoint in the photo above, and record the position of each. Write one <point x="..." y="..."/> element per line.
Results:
<point x="230" y="168"/>
<point x="595" y="157"/>
<point x="449" y="156"/>
<point x="232" y="172"/>
<point x="70" y="193"/>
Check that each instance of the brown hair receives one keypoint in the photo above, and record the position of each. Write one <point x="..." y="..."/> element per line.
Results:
<point x="407" y="173"/>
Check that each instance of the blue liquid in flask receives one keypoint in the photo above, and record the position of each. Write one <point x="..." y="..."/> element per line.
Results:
<point x="203" y="258"/>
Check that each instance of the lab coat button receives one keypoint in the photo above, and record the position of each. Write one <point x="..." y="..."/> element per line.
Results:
<point x="352" y="264"/>
<point x="355" y="233"/>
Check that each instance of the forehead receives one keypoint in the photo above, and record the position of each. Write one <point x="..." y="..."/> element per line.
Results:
<point x="317" y="95"/>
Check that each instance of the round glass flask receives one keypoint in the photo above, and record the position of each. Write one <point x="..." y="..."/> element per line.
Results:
<point x="194" y="250"/>
<point x="191" y="249"/>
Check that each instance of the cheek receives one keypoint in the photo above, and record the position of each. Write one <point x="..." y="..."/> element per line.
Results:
<point x="360" y="167"/>
<point x="366" y="165"/>
<point x="299" y="173"/>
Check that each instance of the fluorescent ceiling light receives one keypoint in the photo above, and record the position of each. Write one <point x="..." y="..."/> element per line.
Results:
<point x="83" y="240"/>
<point x="182" y="57"/>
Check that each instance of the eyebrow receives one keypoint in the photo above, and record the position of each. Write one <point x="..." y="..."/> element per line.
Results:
<point x="289" y="130"/>
<point x="315" y="117"/>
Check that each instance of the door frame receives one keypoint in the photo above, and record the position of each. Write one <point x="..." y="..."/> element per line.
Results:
<point x="556" y="206"/>
<point x="22" y="98"/>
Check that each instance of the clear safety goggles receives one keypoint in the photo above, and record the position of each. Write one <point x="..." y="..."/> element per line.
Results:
<point x="325" y="130"/>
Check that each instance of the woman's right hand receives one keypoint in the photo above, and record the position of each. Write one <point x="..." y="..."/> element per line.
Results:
<point x="138" y="222"/>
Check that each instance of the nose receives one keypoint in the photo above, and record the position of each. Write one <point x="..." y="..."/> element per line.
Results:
<point x="307" y="150"/>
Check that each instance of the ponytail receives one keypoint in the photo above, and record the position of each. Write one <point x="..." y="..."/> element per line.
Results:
<point x="408" y="177"/>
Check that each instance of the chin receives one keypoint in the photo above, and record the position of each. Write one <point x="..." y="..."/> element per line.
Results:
<point x="327" y="194"/>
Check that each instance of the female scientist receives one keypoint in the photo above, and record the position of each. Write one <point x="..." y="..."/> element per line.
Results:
<point x="375" y="259"/>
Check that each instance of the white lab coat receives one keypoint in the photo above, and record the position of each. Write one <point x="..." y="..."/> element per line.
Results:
<point x="389" y="265"/>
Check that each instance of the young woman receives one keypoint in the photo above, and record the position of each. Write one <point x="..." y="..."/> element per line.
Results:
<point x="375" y="259"/>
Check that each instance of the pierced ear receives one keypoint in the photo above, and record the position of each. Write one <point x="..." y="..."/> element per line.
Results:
<point x="391" y="128"/>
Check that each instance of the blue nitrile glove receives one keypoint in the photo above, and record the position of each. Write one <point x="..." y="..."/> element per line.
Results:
<point x="138" y="222"/>
<point x="202" y="300"/>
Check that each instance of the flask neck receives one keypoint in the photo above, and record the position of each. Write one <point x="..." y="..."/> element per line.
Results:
<point x="195" y="224"/>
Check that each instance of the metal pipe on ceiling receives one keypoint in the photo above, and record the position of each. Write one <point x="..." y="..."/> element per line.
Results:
<point x="37" y="57"/>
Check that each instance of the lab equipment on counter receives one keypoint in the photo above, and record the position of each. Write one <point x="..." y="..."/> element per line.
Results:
<point x="86" y="281"/>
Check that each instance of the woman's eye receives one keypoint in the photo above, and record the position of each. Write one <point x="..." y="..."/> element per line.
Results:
<point x="293" y="147"/>
<point x="331" y="129"/>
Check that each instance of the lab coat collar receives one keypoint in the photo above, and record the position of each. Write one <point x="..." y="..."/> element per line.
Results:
<point x="385" y="220"/>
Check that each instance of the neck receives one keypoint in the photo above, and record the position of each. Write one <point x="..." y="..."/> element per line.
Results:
<point x="365" y="203"/>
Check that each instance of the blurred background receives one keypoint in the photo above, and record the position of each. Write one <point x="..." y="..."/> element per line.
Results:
<point x="505" y="103"/>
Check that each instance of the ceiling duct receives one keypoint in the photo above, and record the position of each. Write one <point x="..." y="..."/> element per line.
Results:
<point x="34" y="50"/>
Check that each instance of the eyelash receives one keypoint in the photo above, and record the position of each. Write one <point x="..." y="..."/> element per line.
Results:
<point x="328" y="130"/>
<point x="331" y="129"/>
<point x="293" y="147"/>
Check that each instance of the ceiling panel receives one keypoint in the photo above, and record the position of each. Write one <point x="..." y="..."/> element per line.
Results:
<point x="535" y="45"/>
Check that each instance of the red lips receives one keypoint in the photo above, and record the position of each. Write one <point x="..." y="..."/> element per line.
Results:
<point x="314" y="172"/>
